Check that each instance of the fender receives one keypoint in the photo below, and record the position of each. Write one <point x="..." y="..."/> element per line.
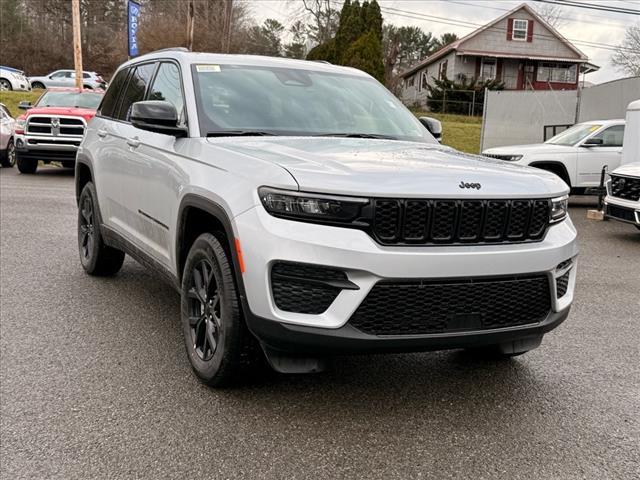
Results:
<point x="219" y="213"/>
<point x="82" y="161"/>
<point x="561" y="166"/>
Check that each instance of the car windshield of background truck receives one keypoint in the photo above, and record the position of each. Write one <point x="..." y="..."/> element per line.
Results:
<point x="70" y="99"/>
<point x="573" y="135"/>
<point x="246" y="100"/>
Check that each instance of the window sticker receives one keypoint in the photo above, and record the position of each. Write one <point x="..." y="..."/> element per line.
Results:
<point x="207" y="68"/>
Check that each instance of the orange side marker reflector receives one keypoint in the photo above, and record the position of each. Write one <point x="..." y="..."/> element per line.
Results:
<point x="239" y="253"/>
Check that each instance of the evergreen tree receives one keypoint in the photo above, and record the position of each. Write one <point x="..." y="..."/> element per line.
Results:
<point x="366" y="54"/>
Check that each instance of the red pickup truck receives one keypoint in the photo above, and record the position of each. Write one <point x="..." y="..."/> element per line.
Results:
<point x="51" y="130"/>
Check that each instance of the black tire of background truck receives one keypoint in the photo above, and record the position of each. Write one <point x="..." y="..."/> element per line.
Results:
<point x="26" y="165"/>
<point x="236" y="352"/>
<point x="96" y="258"/>
<point x="68" y="164"/>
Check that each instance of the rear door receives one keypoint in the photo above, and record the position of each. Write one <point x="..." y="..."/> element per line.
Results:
<point x="119" y="166"/>
<point x="591" y="159"/>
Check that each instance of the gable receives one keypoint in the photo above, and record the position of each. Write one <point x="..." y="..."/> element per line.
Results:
<point x="494" y="39"/>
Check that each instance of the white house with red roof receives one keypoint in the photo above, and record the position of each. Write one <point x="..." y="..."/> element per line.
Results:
<point x="519" y="49"/>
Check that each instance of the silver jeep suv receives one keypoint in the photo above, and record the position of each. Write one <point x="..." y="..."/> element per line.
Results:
<point x="302" y="211"/>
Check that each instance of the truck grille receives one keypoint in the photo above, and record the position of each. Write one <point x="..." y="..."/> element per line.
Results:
<point x="55" y="126"/>
<point x="627" y="188"/>
<point x="451" y="222"/>
<point x="420" y="307"/>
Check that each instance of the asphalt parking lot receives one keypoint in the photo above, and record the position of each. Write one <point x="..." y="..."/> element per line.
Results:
<point x="94" y="381"/>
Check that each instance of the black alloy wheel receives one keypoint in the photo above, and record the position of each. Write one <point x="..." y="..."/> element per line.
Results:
<point x="205" y="311"/>
<point x="87" y="228"/>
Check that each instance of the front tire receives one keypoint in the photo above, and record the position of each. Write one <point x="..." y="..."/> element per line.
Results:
<point x="96" y="258"/>
<point x="26" y="165"/>
<point x="217" y="340"/>
<point x="36" y="85"/>
<point x="9" y="158"/>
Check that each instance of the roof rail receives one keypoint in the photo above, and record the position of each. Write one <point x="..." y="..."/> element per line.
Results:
<point x="172" y="49"/>
<point x="322" y="61"/>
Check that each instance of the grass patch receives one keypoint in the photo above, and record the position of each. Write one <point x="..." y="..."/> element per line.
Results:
<point x="461" y="132"/>
<point x="11" y="99"/>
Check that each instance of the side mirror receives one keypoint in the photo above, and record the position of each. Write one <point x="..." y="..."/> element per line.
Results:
<point x="24" y="105"/>
<point x="156" y="116"/>
<point x="593" y="142"/>
<point x="434" y="126"/>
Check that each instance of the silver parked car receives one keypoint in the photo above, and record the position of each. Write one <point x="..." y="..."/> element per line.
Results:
<point x="302" y="211"/>
<point x="67" y="78"/>
<point x="7" y="147"/>
<point x="13" y="79"/>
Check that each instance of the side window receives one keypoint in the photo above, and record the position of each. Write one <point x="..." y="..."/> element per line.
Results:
<point x="612" y="136"/>
<point x="58" y="75"/>
<point x="166" y="86"/>
<point x="136" y="88"/>
<point x="110" y="100"/>
<point x="86" y="75"/>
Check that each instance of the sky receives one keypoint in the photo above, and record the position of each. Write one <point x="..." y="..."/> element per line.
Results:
<point x="603" y="28"/>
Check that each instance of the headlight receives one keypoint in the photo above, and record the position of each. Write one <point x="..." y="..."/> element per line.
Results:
<point x="311" y="206"/>
<point x="559" y="208"/>
<point x="19" y="126"/>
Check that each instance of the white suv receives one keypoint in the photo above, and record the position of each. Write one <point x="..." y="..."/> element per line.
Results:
<point x="300" y="208"/>
<point x="576" y="155"/>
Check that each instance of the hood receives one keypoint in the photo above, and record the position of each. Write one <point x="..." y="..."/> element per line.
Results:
<point x="393" y="168"/>
<point x="86" y="113"/>
<point x="532" y="148"/>
<point x="630" y="169"/>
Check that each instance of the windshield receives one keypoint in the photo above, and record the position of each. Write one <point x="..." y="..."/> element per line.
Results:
<point x="240" y="99"/>
<point x="574" y="134"/>
<point x="70" y="99"/>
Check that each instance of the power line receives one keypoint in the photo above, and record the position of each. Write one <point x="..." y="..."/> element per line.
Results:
<point x="592" y="6"/>
<point x="563" y="17"/>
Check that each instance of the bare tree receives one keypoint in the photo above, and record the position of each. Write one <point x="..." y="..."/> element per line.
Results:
<point x="319" y="15"/>
<point x="627" y="56"/>
<point x="552" y="14"/>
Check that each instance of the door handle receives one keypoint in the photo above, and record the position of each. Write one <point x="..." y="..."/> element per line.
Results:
<point x="133" y="142"/>
<point x="102" y="133"/>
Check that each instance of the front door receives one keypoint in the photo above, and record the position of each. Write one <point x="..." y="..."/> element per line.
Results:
<point x="592" y="158"/>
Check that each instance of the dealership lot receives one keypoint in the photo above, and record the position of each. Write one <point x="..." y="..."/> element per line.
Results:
<point x="94" y="381"/>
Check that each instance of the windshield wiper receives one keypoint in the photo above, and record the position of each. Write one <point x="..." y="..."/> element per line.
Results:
<point x="240" y="133"/>
<point x="357" y="135"/>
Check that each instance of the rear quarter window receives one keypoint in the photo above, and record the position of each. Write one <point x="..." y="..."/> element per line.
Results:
<point x="110" y="100"/>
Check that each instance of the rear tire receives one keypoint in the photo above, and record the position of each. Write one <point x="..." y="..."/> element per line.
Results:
<point x="218" y="343"/>
<point x="26" y="165"/>
<point x="5" y="85"/>
<point x="9" y="157"/>
<point x="96" y="258"/>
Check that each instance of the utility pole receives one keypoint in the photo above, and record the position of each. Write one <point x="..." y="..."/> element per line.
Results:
<point x="77" y="41"/>
<point x="190" y="22"/>
<point x="229" y="16"/>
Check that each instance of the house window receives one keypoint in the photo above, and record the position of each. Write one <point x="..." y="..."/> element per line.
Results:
<point x="520" y="29"/>
<point x="424" y="81"/>
<point x="411" y="81"/>
<point x="443" y="70"/>
<point x="488" y="71"/>
<point x="557" y="73"/>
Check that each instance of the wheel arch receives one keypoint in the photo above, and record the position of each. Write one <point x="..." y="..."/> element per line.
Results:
<point x="198" y="215"/>
<point x="83" y="174"/>
<point x="553" y="166"/>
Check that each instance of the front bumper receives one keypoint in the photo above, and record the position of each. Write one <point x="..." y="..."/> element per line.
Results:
<point x="266" y="240"/>
<point x="47" y="148"/>
<point x="622" y="210"/>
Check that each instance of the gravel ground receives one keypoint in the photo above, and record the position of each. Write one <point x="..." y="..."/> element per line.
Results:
<point x="94" y="381"/>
